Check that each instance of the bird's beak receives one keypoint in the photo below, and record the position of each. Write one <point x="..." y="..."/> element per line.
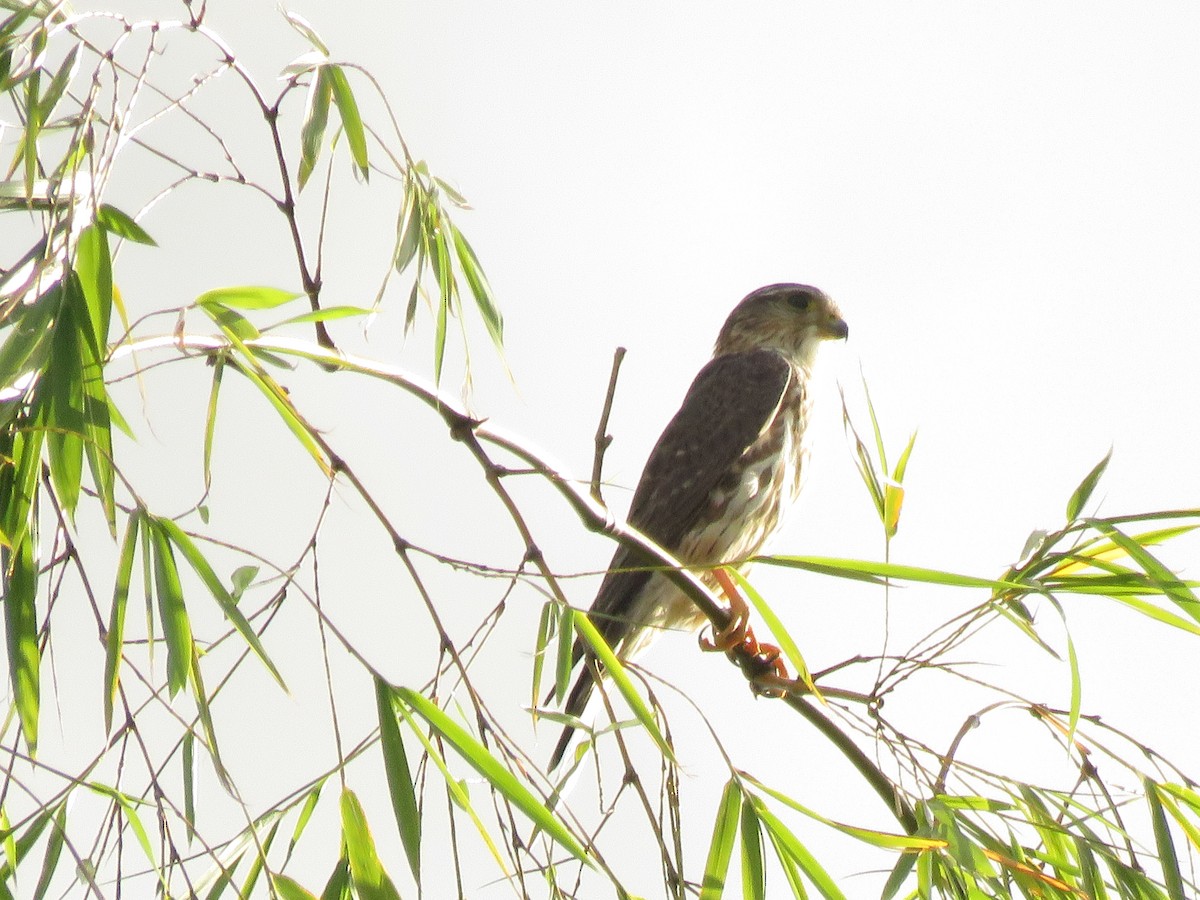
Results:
<point x="835" y="328"/>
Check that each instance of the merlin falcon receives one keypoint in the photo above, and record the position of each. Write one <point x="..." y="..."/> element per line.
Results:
<point x="726" y="469"/>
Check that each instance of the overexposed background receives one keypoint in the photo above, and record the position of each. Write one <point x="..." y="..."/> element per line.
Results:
<point x="1004" y="200"/>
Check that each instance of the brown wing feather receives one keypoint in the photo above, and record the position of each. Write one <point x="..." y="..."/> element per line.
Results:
<point x="730" y="402"/>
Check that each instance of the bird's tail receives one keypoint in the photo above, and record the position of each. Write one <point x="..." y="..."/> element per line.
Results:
<point x="576" y="705"/>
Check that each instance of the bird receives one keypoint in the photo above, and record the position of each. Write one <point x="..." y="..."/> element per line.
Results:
<point x="721" y="476"/>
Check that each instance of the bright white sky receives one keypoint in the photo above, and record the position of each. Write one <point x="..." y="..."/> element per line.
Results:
<point x="1004" y="200"/>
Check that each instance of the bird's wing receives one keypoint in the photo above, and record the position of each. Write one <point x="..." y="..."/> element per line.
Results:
<point x="731" y="401"/>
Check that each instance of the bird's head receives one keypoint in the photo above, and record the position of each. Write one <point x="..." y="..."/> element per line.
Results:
<point x="790" y="318"/>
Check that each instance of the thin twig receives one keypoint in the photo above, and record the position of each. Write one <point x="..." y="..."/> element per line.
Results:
<point x="603" y="438"/>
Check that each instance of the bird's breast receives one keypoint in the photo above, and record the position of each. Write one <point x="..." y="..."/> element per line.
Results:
<point x="748" y="504"/>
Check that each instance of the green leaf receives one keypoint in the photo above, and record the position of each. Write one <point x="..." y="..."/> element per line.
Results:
<point x="177" y="629"/>
<point x="338" y="885"/>
<point x="883" y="839"/>
<point x="235" y="616"/>
<point x="900" y="872"/>
<point x="409" y="236"/>
<point x="114" y="221"/>
<point x="399" y="778"/>
<point x="310" y="804"/>
<point x="28" y="344"/>
<point x="327" y="314"/>
<point x="115" y="637"/>
<point x="812" y="869"/>
<point x="242" y="578"/>
<point x="289" y="889"/>
<point x="247" y="297"/>
<point x="616" y="672"/>
<point x="21" y="631"/>
<point x="864" y="570"/>
<point x="53" y="851"/>
<point x="234" y="324"/>
<point x="754" y="881"/>
<point x="565" y="658"/>
<point x="58" y="84"/>
<point x="316" y="118"/>
<point x="1165" y="580"/>
<point x="33" y="128"/>
<point x="305" y="30"/>
<point x="500" y="778"/>
<point x="210" y="418"/>
<point x="204" y="711"/>
<point x="720" y="847"/>
<point x="1167" y="856"/>
<point x="371" y="882"/>
<point x="278" y="398"/>
<point x="1084" y="492"/>
<point x="546" y="628"/>
<point x="128" y="807"/>
<point x="347" y="107"/>
<point x="188" y="761"/>
<point x="480" y="289"/>
<point x="62" y="410"/>
<point x="93" y="267"/>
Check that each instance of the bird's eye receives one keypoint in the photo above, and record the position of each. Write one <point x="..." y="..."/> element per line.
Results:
<point x="800" y="300"/>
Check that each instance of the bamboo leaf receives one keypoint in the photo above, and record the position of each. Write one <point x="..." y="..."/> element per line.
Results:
<point x="882" y="839"/>
<point x="480" y="289"/>
<point x="210" y="418"/>
<point x="546" y="627"/>
<point x="1167" y="857"/>
<point x="565" y="657"/>
<point x="483" y="762"/>
<point x="128" y="809"/>
<point x="812" y="869"/>
<point x="310" y="804"/>
<point x="278" y="398"/>
<point x="115" y="637"/>
<point x="290" y="889"/>
<point x="62" y="410"/>
<point x="1166" y="580"/>
<point x="1084" y="492"/>
<point x="93" y="268"/>
<point x="204" y="711"/>
<point x="225" y="600"/>
<point x="28" y="343"/>
<point x="616" y="671"/>
<point x="247" y="297"/>
<point x="338" y="885"/>
<point x="409" y="237"/>
<point x="53" y="851"/>
<point x="114" y="221"/>
<point x="352" y="124"/>
<point x="21" y="632"/>
<point x="177" y="628"/>
<point x="754" y="879"/>
<point x="316" y="118"/>
<point x="720" y="847"/>
<point x="371" y="882"/>
<point x="188" y="762"/>
<point x="860" y="570"/>
<point x="233" y="323"/>
<point x="327" y="314"/>
<point x="456" y="788"/>
<point x="202" y="568"/>
<point x="399" y="778"/>
<point x="305" y="30"/>
<point x="58" y="84"/>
